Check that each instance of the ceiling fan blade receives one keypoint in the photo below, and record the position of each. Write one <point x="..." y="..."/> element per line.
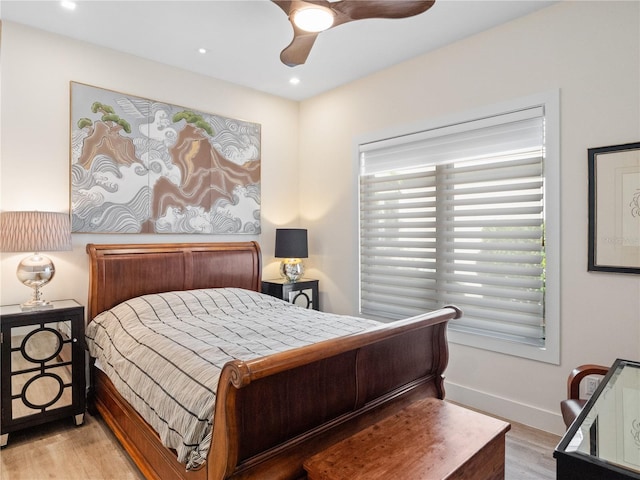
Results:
<point x="297" y="51"/>
<point x="285" y="5"/>
<point x="359" y="10"/>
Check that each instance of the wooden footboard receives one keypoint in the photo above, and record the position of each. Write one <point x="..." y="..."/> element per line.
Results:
<point x="279" y="410"/>
<point x="274" y="412"/>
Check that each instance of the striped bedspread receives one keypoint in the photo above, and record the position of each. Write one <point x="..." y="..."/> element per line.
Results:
<point x="164" y="352"/>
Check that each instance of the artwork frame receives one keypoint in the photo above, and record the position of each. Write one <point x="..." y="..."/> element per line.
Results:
<point x="139" y="165"/>
<point x="614" y="208"/>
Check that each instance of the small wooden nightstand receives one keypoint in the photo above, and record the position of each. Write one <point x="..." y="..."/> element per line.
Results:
<point x="43" y="361"/>
<point x="303" y="293"/>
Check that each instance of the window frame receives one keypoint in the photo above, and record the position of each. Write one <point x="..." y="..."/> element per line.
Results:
<point x="550" y="101"/>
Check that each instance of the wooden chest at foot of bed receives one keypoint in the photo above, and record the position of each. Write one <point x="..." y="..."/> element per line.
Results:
<point x="430" y="439"/>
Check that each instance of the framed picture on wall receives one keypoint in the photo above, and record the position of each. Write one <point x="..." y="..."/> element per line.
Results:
<point x="146" y="166"/>
<point x="614" y="208"/>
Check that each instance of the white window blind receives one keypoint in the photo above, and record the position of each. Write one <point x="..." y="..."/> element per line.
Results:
<point x="455" y="215"/>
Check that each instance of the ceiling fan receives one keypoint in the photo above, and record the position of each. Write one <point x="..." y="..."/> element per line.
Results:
<point x="311" y="17"/>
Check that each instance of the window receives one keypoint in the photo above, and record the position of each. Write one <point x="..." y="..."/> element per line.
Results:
<point x="467" y="214"/>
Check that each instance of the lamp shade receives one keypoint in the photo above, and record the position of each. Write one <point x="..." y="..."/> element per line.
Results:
<point x="34" y="232"/>
<point x="291" y="243"/>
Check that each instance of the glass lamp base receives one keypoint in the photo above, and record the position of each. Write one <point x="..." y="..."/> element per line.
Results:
<point x="292" y="269"/>
<point x="36" y="305"/>
<point x="35" y="272"/>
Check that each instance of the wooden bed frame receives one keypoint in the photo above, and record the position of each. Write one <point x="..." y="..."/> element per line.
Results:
<point x="271" y="413"/>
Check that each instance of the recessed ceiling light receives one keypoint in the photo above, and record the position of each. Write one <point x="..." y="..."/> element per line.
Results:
<point x="202" y="50"/>
<point x="294" y="81"/>
<point x="69" y="5"/>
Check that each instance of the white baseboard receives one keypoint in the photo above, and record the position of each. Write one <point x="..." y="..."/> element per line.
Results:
<point x="508" y="409"/>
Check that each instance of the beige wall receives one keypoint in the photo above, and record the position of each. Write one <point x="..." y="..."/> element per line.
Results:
<point x="591" y="52"/>
<point x="34" y="175"/>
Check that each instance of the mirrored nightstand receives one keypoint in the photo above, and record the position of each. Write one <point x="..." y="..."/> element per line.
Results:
<point x="303" y="293"/>
<point x="43" y="363"/>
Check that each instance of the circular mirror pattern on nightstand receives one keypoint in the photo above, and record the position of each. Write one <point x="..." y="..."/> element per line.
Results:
<point x="41" y="345"/>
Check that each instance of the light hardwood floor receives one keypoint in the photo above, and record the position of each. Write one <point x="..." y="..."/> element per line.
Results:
<point x="60" y="450"/>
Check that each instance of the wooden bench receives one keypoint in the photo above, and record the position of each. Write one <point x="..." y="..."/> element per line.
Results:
<point x="430" y="439"/>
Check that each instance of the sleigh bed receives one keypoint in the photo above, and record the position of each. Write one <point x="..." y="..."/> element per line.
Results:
<point x="271" y="412"/>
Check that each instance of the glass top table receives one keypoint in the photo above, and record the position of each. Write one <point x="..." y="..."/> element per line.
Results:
<point x="604" y="441"/>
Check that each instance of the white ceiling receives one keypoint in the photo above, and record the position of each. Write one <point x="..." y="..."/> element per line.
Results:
<point x="244" y="38"/>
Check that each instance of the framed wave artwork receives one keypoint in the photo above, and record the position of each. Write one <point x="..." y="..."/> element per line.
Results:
<point x="144" y="166"/>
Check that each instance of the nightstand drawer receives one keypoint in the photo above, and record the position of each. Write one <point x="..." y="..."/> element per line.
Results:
<point x="43" y="365"/>
<point x="303" y="293"/>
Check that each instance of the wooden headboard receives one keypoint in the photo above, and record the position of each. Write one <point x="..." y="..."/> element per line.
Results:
<point x="115" y="270"/>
